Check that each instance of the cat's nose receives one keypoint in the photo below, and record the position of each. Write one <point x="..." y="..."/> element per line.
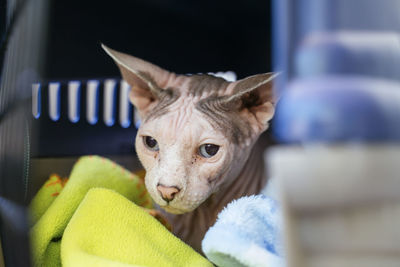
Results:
<point x="168" y="192"/>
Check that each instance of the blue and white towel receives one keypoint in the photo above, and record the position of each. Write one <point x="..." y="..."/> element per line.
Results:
<point x="247" y="233"/>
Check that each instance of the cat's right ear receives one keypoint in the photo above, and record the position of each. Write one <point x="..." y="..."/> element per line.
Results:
<point x="147" y="81"/>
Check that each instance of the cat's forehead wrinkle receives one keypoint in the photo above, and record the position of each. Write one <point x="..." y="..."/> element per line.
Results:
<point x="204" y="93"/>
<point x="165" y="99"/>
<point x="225" y="120"/>
<point x="193" y="88"/>
<point x="181" y="116"/>
<point x="205" y="85"/>
<point x="181" y="125"/>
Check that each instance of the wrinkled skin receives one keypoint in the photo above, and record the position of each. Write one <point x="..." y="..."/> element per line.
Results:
<point x="178" y="161"/>
<point x="201" y="185"/>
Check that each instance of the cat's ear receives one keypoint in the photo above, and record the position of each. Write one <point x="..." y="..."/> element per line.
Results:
<point x="147" y="81"/>
<point x="254" y="98"/>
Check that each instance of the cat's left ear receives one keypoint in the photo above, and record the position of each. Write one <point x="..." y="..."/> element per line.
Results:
<point x="255" y="97"/>
<point x="147" y="80"/>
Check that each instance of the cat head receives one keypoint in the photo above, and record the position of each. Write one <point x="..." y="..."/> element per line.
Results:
<point x="196" y="131"/>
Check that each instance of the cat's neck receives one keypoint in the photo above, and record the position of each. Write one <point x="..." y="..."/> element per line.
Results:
<point x="192" y="226"/>
<point x="250" y="181"/>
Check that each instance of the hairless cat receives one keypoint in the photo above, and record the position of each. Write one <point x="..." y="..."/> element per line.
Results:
<point x="198" y="140"/>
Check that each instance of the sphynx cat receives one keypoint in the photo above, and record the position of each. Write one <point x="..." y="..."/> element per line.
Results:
<point x="198" y="140"/>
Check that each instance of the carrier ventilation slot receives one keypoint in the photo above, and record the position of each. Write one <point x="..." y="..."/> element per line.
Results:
<point x="92" y="101"/>
<point x="109" y="102"/>
<point x="74" y="101"/>
<point x="54" y="101"/>
<point x="36" y="100"/>
<point x="124" y="105"/>
<point x="74" y="90"/>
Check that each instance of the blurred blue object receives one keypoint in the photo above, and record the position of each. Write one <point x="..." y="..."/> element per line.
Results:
<point x="349" y="52"/>
<point x="248" y="232"/>
<point x="339" y="109"/>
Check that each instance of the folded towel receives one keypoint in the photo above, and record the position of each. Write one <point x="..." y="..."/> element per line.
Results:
<point x="45" y="197"/>
<point x="50" y="215"/>
<point x="109" y="230"/>
<point x="247" y="233"/>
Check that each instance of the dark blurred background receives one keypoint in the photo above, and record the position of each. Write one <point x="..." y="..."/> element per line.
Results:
<point x="60" y="41"/>
<point x="179" y="35"/>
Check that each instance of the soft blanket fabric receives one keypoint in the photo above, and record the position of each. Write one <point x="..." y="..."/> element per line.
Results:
<point x="54" y="205"/>
<point x="45" y="196"/>
<point x="247" y="233"/>
<point x="108" y="230"/>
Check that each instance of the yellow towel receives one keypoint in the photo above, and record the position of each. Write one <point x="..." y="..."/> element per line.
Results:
<point x="50" y="215"/>
<point x="45" y="196"/>
<point x="109" y="230"/>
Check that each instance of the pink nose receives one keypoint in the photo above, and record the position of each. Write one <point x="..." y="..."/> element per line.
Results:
<point x="167" y="192"/>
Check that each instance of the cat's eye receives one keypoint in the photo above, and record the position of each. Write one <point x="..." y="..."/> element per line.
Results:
<point x="150" y="143"/>
<point x="208" y="150"/>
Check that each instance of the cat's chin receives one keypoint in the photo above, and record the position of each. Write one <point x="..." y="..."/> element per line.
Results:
<point x="173" y="210"/>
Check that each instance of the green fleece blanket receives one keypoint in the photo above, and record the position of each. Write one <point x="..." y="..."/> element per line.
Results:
<point x="93" y="221"/>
